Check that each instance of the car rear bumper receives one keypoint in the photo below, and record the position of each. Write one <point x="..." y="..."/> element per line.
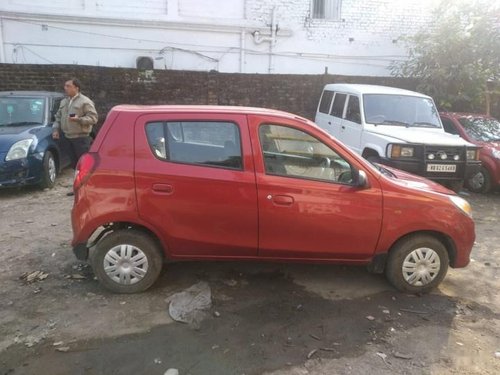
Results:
<point x="81" y="251"/>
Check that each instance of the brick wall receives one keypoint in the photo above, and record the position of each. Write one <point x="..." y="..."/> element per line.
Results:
<point x="111" y="86"/>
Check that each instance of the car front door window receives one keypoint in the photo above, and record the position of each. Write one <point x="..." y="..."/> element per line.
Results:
<point x="290" y="152"/>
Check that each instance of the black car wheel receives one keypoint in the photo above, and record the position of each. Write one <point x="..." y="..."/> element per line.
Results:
<point x="127" y="261"/>
<point x="480" y="182"/>
<point x="417" y="264"/>
<point x="49" y="172"/>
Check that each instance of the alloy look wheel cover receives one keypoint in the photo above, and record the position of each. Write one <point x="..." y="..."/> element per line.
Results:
<point x="421" y="266"/>
<point x="125" y="264"/>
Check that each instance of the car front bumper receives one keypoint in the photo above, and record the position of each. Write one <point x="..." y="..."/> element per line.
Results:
<point x="26" y="171"/>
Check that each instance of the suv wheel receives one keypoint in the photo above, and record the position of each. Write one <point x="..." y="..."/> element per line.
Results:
<point x="127" y="261"/>
<point x="417" y="264"/>
<point x="480" y="182"/>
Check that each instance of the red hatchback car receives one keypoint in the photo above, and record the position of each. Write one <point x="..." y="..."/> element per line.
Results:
<point x="171" y="183"/>
<point x="483" y="131"/>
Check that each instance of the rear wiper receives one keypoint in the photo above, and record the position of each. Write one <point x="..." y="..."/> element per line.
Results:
<point x="425" y="124"/>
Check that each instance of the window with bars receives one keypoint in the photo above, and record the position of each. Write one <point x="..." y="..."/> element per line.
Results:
<point x="326" y="9"/>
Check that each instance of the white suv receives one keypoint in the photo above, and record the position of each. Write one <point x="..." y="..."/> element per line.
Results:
<point x="399" y="128"/>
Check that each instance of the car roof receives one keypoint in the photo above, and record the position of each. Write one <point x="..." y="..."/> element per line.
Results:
<point x="31" y="93"/>
<point x="371" y="89"/>
<point x="206" y="109"/>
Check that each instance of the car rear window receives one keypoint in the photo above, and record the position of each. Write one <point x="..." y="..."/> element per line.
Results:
<point x="338" y="105"/>
<point x="210" y="143"/>
<point x="326" y="100"/>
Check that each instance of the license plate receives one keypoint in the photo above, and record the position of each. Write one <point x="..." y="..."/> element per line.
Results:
<point x="451" y="168"/>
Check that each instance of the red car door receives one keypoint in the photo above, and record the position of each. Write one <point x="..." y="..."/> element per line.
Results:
<point x="195" y="182"/>
<point x="308" y="206"/>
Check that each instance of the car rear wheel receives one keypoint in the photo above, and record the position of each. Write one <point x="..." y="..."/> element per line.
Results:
<point x="417" y="264"/>
<point x="127" y="261"/>
<point x="480" y="182"/>
<point x="49" y="172"/>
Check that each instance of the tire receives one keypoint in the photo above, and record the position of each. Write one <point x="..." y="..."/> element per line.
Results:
<point x="49" y="172"/>
<point x="480" y="182"/>
<point x="408" y="253"/>
<point x="117" y="250"/>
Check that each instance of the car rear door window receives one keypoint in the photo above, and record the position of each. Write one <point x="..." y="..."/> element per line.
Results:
<point x="291" y="152"/>
<point x="210" y="143"/>
<point x="326" y="101"/>
<point x="352" y="112"/>
<point x="338" y="105"/>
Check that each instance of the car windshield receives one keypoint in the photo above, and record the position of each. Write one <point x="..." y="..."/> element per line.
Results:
<point x="400" y="110"/>
<point x="18" y="111"/>
<point x="482" y="129"/>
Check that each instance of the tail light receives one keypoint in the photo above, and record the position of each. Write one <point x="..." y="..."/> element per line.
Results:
<point x="86" y="165"/>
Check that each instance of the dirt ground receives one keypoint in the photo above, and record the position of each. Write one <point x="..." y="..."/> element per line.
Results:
<point x="266" y="318"/>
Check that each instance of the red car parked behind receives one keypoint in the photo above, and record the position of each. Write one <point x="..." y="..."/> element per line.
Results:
<point x="166" y="183"/>
<point x="483" y="131"/>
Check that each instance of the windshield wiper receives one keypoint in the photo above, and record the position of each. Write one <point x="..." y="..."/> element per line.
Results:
<point x="21" y="123"/>
<point x="393" y="122"/>
<point x="425" y="124"/>
<point x="383" y="170"/>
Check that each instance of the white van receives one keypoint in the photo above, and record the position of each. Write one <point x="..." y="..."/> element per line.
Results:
<point x="399" y="128"/>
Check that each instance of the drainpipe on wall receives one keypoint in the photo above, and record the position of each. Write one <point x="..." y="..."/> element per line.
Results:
<point x="2" y="45"/>
<point x="258" y="39"/>
<point x="242" y="51"/>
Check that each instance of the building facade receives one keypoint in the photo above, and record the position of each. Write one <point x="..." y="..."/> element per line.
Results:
<point x="348" y="37"/>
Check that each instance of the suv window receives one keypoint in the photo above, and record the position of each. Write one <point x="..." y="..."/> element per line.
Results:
<point x="196" y="142"/>
<point x="353" y="113"/>
<point x="448" y="126"/>
<point x="293" y="153"/>
<point x="338" y="105"/>
<point x="326" y="100"/>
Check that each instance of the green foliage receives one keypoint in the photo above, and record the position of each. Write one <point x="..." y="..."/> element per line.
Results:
<point x="457" y="55"/>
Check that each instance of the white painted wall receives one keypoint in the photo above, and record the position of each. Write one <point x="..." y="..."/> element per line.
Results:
<point x="210" y="34"/>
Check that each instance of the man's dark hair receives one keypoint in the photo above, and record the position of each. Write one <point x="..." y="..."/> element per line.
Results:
<point x="77" y="83"/>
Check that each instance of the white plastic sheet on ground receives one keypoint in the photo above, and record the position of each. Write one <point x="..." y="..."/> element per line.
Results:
<point x="188" y="306"/>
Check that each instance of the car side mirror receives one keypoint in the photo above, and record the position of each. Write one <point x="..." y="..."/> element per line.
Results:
<point x="361" y="180"/>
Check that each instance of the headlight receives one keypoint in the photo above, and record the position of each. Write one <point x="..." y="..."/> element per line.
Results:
<point x="496" y="154"/>
<point x="471" y="154"/>
<point x="462" y="204"/>
<point x="398" y="151"/>
<point x="19" y="150"/>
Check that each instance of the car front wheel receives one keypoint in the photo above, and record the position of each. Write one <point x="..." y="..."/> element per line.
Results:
<point x="49" y="172"/>
<point x="417" y="264"/>
<point x="480" y="182"/>
<point x="127" y="261"/>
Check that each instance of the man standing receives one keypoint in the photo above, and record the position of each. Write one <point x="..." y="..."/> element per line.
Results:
<point x="74" y="121"/>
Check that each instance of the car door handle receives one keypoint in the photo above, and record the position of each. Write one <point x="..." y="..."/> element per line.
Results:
<point x="163" y="188"/>
<point x="281" y="200"/>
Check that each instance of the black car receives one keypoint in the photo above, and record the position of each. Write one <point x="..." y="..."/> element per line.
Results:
<point x="28" y="154"/>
